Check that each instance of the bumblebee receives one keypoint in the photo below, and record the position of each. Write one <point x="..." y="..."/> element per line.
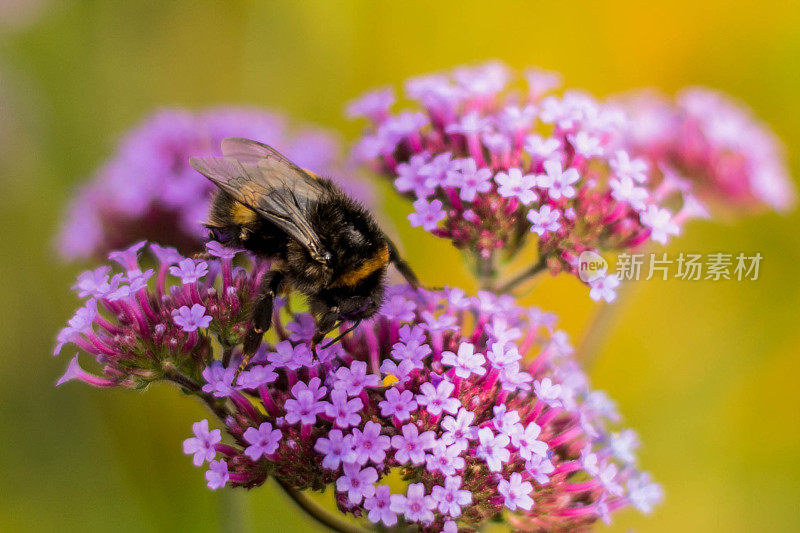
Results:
<point x="323" y="243"/>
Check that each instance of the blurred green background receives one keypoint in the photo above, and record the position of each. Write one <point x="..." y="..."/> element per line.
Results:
<point x="707" y="372"/>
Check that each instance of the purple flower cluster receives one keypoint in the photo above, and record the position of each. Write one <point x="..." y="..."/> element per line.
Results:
<point x="713" y="142"/>
<point x="147" y="190"/>
<point x="475" y="402"/>
<point x="487" y="166"/>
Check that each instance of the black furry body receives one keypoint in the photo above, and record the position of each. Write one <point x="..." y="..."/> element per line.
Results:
<point x="323" y="243"/>
<point x="344" y="227"/>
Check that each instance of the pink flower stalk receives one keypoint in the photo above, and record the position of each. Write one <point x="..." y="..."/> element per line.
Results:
<point x="475" y="402"/>
<point x="148" y="190"/>
<point x="488" y="166"/>
<point x="712" y="141"/>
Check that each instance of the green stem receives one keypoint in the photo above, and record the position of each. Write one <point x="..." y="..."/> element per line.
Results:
<point x="600" y="328"/>
<point x="524" y="276"/>
<point x="332" y="522"/>
<point x="486" y="272"/>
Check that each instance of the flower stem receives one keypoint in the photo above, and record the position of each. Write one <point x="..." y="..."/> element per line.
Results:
<point x="319" y="514"/>
<point x="599" y="329"/>
<point x="486" y="272"/>
<point x="524" y="276"/>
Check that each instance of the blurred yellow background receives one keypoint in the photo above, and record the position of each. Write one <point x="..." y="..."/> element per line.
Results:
<point x="706" y="372"/>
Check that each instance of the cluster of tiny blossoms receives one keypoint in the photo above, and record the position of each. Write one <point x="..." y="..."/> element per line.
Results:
<point x="487" y="165"/>
<point x="148" y="190"/>
<point x="474" y="402"/>
<point x="713" y="142"/>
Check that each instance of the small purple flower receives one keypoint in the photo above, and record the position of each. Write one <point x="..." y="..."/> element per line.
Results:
<point x="413" y="352"/>
<point x="191" y="319"/>
<point x="401" y="370"/>
<point x="540" y="469"/>
<point x="202" y="444"/>
<point x="445" y="459"/>
<point x="357" y="483"/>
<point x="219" y="380"/>
<point x="660" y="223"/>
<point x="470" y="180"/>
<point x="513" y="184"/>
<point x="556" y="181"/>
<point x="217" y="475"/>
<point x="355" y="378"/>
<point x="302" y="328"/>
<point x="411" y="178"/>
<point x="398" y="308"/>
<point x="415" y="505"/>
<point x="624" y="189"/>
<point x="470" y="124"/>
<point x="255" y="376"/>
<point x="541" y="149"/>
<point x="128" y="258"/>
<point x="303" y="408"/>
<point x="507" y="422"/>
<point x="379" y="507"/>
<point x="544" y="220"/>
<point x="492" y="449"/>
<point x="369" y="444"/>
<point x="398" y="403"/>
<point x="189" y="270"/>
<point x="450" y="498"/>
<point x="373" y="105"/>
<point x="466" y="362"/>
<point x="93" y="282"/>
<point x="604" y="288"/>
<point x="623" y="445"/>
<point x="435" y="324"/>
<point x="427" y="214"/>
<point x="548" y="392"/>
<point x="415" y="335"/>
<point x="336" y="447"/>
<point x="219" y="250"/>
<point x="437" y="399"/>
<point x="643" y="493"/>
<point x="343" y="412"/>
<point x="625" y="167"/>
<point x="411" y="445"/>
<point x="314" y="386"/>
<point x="459" y="430"/>
<point x="516" y="492"/>
<point x="263" y="441"/>
<point x="291" y="357"/>
<point x="585" y="144"/>
<point x="527" y="443"/>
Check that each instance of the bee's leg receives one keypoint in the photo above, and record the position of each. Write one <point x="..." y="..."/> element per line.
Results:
<point x="401" y="265"/>
<point x="327" y="323"/>
<point x="261" y="316"/>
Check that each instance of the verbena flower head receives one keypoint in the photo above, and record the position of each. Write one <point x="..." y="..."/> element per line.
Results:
<point x="475" y="402"/>
<point x="488" y="165"/>
<point x="715" y="143"/>
<point x="148" y="190"/>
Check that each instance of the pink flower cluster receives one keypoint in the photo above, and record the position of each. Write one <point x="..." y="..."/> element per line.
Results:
<point x="475" y="402"/>
<point x="713" y="142"/>
<point x="147" y="190"/>
<point x="487" y="166"/>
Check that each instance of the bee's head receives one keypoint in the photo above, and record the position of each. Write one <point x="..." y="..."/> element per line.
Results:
<point x="361" y="306"/>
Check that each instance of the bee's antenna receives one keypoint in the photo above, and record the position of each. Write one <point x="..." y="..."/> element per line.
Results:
<point x="341" y="335"/>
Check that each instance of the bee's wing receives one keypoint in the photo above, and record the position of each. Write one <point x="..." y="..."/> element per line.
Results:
<point x="273" y="186"/>
<point x="251" y="151"/>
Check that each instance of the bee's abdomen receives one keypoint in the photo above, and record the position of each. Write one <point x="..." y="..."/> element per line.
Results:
<point x="244" y="227"/>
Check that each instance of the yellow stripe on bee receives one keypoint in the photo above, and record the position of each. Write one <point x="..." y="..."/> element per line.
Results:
<point x="379" y="260"/>
<point x="242" y="215"/>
